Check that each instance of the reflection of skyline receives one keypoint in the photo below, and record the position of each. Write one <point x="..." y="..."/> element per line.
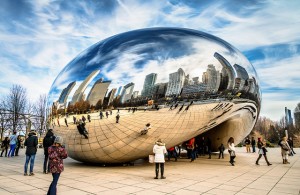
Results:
<point x="213" y="81"/>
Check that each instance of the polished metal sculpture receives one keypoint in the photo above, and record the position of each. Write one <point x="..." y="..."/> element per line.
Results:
<point x="182" y="83"/>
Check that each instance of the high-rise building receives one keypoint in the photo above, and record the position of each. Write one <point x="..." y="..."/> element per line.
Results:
<point x="111" y="95"/>
<point x="242" y="77"/>
<point x="150" y="80"/>
<point x="176" y="82"/>
<point x="211" y="78"/>
<point x="288" y="117"/>
<point x="127" y="92"/>
<point x="228" y="73"/>
<point x="119" y="92"/>
<point x="65" y="94"/>
<point x="135" y="94"/>
<point x="297" y="116"/>
<point x="195" y="80"/>
<point x="78" y="95"/>
<point x="98" y="91"/>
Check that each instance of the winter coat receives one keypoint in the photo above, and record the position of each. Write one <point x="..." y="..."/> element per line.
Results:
<point x="56" y="156"/>
<point x="159" y="150"/>
<point x="285" y="148"/>
<point x="48" y="141"/>
<point x="13" y="139"/>
<point x="31" y="144"/>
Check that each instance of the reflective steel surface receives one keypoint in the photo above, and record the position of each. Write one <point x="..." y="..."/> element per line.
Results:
<point x="181" y="81"/>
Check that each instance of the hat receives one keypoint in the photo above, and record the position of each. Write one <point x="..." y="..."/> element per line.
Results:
<point x="58" y="140"/>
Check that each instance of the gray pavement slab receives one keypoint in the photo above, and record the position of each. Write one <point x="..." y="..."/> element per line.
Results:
<point x="203" y="176"/>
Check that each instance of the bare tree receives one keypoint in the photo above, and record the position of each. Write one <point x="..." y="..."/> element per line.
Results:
<point x="39" y="111"/>
<point x="16" y="102"/>
<point x="4" y="118"/>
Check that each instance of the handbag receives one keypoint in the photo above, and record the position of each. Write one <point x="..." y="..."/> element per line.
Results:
<point x="232" y="153"/>
<point x="151" y="158"/>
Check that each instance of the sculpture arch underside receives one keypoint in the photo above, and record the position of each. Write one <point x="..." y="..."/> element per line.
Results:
<point x="111" y="142"/>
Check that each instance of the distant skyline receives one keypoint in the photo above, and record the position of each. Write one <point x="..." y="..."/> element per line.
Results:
<point x="39" y="38"/>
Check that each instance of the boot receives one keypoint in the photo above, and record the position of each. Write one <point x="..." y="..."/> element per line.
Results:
<point x="267" y="160"/>
<point x="256" y="163"/>
<point x="286" y="161"/>
<point x="156" y="174"/>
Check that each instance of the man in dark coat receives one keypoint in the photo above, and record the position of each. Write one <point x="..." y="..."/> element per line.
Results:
<point x="81" y="129"/>
<point x="47" y="142"/>
<point x="31" y="148"/>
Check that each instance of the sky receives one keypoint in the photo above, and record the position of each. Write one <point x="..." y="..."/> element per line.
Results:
<point x="38" y="38"/>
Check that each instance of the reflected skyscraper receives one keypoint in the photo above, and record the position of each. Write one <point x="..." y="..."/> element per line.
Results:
<point x="227" y="72"/>
<point x="119" y="91"/>
<point x="78" y="95"/>
<point x="135" y="94"/>
<point x="288" y="117"/>
<point x="176" y="82"/>
<point x="242" y="77"/>
<point x="65" y="93"/>
<point x="98" y="91"/>
<point x="111" y="95"/>
<point x="127" y="92"/>
<point x="297" y="116"/>
<point x="211" y="78"/>
<point x="148" y="83"/>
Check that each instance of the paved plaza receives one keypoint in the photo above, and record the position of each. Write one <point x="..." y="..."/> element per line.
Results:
<point x="203" y="176"/>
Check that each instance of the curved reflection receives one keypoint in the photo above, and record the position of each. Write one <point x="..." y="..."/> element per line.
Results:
<point x="154" y="70"/>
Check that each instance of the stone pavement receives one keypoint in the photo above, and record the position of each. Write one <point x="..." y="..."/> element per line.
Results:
<point x="203" y="176"/>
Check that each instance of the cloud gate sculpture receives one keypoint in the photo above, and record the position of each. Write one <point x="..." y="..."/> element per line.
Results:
<point x="185" y="83"/>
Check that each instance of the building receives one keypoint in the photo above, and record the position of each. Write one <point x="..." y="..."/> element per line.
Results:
<point x="65" y="94"/>
<point x="98" y="91"/>
<point x="78" y="95"/>
<point x="228" y="73"/>
<point x="176" y="83"/>
<point x="150" y="80"/>
<point x="297" y="116"/>
<point x="127" y="92"/>
<point x="211" y="78"/>
<point x="288" y="117"/>
<point x="193" y="90"/>
<point x="135" y="94"/>
<point x="242" y="77"/>
<point x="119" y="91"/>
<point x="111" y="95"/>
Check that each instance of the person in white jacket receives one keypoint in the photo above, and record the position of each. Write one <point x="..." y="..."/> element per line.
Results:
<point x="159" y="150"/>
<point x="231" y="150"/>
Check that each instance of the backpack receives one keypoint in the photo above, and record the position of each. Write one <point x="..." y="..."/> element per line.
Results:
<point x="279" y="143"/>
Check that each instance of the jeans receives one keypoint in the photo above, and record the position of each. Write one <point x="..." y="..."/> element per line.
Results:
<point x="172" y="153"/>
<point x="52" y="187"/>
<point x="253" y="148"/>
<point x="46" y="167"/>
<point x="193" y="155"/>
<point x="31" y="158"/>
<point x="12" y="150"/>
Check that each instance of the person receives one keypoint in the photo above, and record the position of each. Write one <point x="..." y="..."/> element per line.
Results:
<point x="83" y="119"/>
<point x="117" y="118"/>
<point x="221" y="151"/>
<point x="172" y="152"/>
<point x="247" y="142"/>
<point x="4" y="146"/>
<point x="231" y="150"/>
<point x="89" y="117"/>
<point x="106" y="113"/>
<point x="58" y="122"/>
<point x="262" y="151"/>
<point x="66" y="122"/>
<point x="159" y="150"/>
<point x="178" y="147"/>
<point x="180" y="108"/>
<point x="285" y="148"/>
<point x="291" y="144"/>
<point x="191" y="147"/>
<point x="12" y="144"/>
<point x="47" y="142"/>
<point x="74" y="119"/>
<point x="101" y="114"/>
<point x="56" y="155"/>
<point x="81" y="129"/>
<point x="31" y="148"/>
<point x="145" y="130"/>
<point x="253" y="143"/>
<point x="110" y="112"/>
<point x="19" y="141"/>
<point x="208" y="144"/>
<point x="202" y="146"/>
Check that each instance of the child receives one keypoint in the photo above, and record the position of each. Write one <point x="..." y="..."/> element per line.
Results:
<point x="221" y="151"/>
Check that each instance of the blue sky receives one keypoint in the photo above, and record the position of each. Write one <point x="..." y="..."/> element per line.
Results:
<point x="38" y="38"/>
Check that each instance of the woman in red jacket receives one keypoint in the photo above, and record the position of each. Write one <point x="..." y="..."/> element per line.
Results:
<point x="56" y="155"/>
